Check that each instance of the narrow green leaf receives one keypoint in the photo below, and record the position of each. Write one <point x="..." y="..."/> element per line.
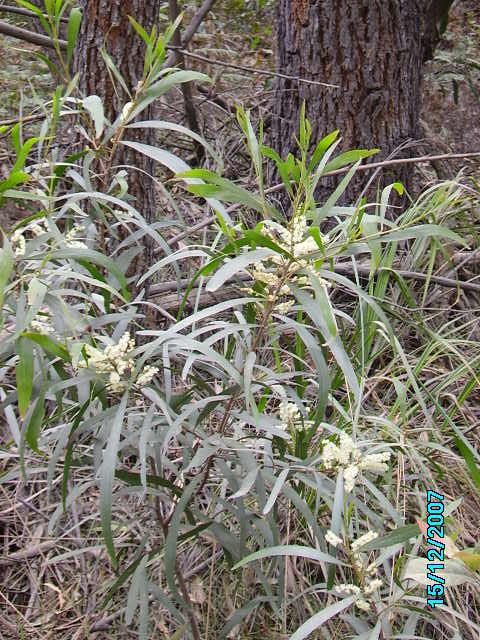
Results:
<point x="454" y="572"/>
<point x="30" y="6"/>
<point x="470" y="461"/>
<point x="297" y="551"/>
<point x="277" y="488"/>
<point x="24" y="374"/>
<point x="241" y="614"/>
<point x="34" y="425"/>
<point x="324" y="304"/>
<point x="321" y="617"/>
<point x="22" y="155"/>
<point x="236" y="265"/>
<point x="163" y="86"/>
<point x="349" y="157"/>
<point x="179" y="633"/>
<point x="73" y="28"/>
<point x="139" y="29"/>
<point x="397" y="536"/>
<point x="111" y="66"/>
<point x="135" y="480"/>
<point x="94" y="106"/>
<point x="6" y="267"/>
<point x="174" y="532"/>
<point x="334" y="343"/>
<point x="221" y="188"/>
<point x="49" y="345"/>
<point x="174" y="164"/>
<point x="133" y="597"/>
<point x="177" y="128"/>
<point x="96" y="258"/>
<point x="16" y="135"/>
<point x="69" y="452"/>
<point x="422" y="231"/>
<point x="255" y="239"/>
<point x="124" y="575"/>
<point x="321" y="147"/>
<point x="107" y="477"/>
<point x="14" y="179"/>
<point x="46" y="60"/>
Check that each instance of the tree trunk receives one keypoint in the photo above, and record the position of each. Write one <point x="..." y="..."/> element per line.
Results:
<point x="105" y="24"/>
<point x="373" y="50"/>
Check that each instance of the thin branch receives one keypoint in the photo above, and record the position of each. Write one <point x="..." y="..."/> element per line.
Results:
<point x="416" y="159"/>
<point x="186" y="87"/>
<point x="415" y="275"/>
<point x="192" y="28"/>
<point x="173" y="302"/>
<point x="259" y="72"/>
<point x="196" y="21"/>
<point x="29" y="36"/>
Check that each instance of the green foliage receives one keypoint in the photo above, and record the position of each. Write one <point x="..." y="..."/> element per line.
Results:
<point x="50" y="17"/>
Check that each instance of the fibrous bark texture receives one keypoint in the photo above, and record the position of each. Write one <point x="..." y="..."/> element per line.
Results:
<point x="105" y="24"/>
<point x="371" y="49"/>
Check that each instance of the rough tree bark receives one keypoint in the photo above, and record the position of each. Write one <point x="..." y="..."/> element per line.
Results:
<point x="105" y="24"/>
<point x="373" y="50"/>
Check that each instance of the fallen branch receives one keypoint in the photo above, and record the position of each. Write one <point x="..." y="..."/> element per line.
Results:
<point x="12" y="121"/>
<point x="415" y="275"/>
<point x="29" y="36"/>
<point x="172" y="302"/>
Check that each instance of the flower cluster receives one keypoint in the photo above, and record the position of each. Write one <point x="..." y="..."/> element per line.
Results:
<point x="290" y="416"/>
<point x="362" y="602"/>
<point x="42" y="324"/>
<point x="116" y="360"/>
<point x="295" y="238"/>
<point x="363" y="540"/>
<point x="19" y="244"/>
<point x="71" y="238"/>
<point x="347" y="455"/>
<point x="366" y="572"/>
<point x="274" y="272"/>
<point x="146" y="376"/>
<point x="37" y="228"/>
<point x="333" y="539"/>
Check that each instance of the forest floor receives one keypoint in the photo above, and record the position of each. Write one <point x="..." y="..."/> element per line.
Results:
<point x="39" y="559"/>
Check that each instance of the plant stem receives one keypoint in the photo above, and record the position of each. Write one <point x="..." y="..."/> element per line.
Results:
<point x="178" y="571"/>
